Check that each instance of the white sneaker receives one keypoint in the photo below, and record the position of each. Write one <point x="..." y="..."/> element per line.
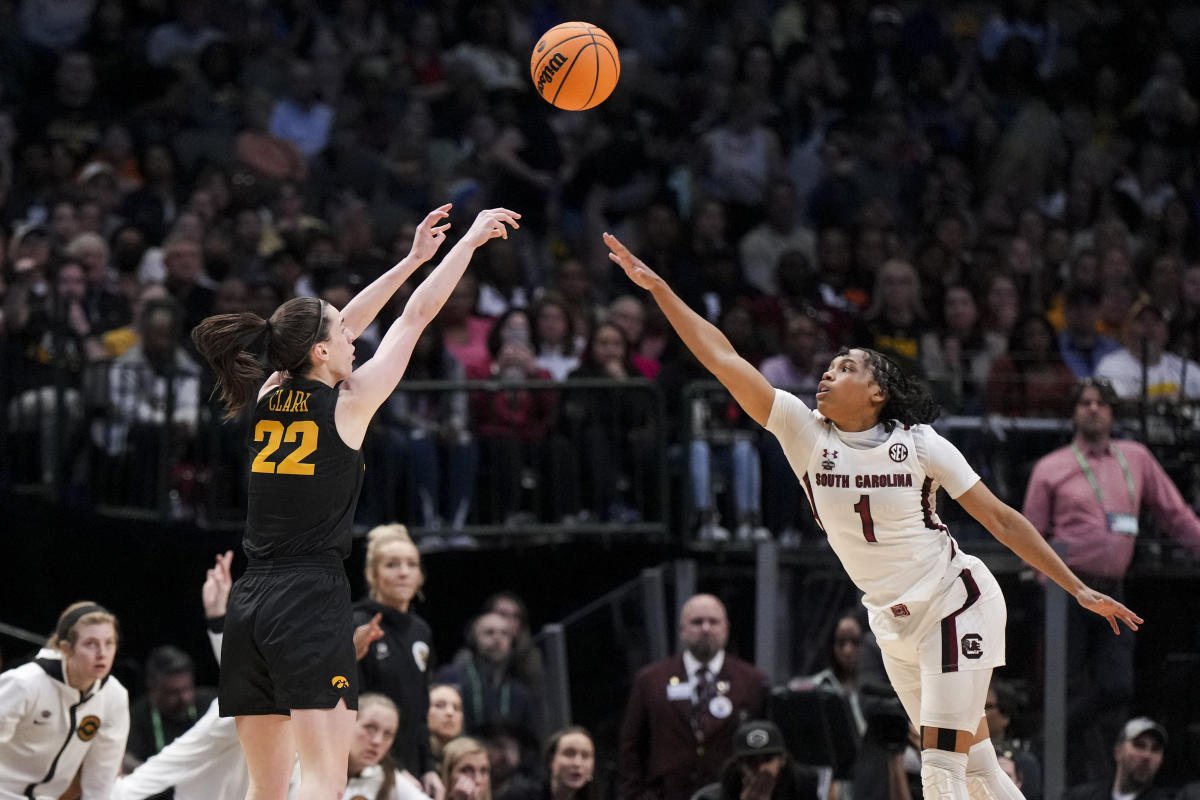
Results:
<point x="752" y="533"/>
<point x="712" y="532"/>
<point x="790" y="538"/>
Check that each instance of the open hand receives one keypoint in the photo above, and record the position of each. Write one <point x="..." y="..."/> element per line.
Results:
<point x="430" y="235"/>
<point x="367" y="634"/>
<point x="464" y="789"/>
<point x="217" y="583"/>
<point x="1108" y="608"/>
<point x="761" y="784"/>
<point x="431" y="784"/>
<point x="491" y="223"/>
<point x="637" y="271"/>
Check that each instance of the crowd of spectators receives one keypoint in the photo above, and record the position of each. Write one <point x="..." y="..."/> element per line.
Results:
<point x="1002" y="196"/>
<point x="999" y="195"/>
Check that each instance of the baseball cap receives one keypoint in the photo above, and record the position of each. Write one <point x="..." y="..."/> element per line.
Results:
<point x="93" y="169"/>
<point x="757" y="738"/>
<point x="1146" y="304"/>
<point x="886" y="14"/>
<point x="1139" y="725"/>
<point x="28" y="230"/>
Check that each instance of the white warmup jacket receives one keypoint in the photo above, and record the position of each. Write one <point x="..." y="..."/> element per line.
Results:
<point x="366" y="785"/>
<point x="49" y="731"/>
<point x="204" y="763"/>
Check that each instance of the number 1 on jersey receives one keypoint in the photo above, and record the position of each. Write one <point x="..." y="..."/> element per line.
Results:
<point x="863" y="507"/>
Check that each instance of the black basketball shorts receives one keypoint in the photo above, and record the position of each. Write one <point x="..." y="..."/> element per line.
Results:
<point x="289" y="638"/>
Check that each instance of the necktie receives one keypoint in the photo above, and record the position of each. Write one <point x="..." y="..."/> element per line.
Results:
<point x="705" y="689"/>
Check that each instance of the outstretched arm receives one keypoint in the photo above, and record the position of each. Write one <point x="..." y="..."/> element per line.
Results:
<point x="1018" y="534"/>
<point x="362" y="310"/>
<point x="747" y="385"/>
<point x="370" y="385"/>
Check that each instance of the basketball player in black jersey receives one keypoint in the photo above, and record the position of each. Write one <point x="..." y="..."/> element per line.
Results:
<point x="289" y="674"/>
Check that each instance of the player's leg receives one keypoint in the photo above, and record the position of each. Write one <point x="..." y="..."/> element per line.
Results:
<point x="985" y="779"/>
<point x="311" y="651"/>
<point x="270" y="752"/>
<point x="951" y="707"/>
<point x="323" y="737"/>
<point x="247" y="694"/>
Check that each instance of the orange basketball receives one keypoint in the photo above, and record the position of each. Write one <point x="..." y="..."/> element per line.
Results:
<point x="575" y="66"/>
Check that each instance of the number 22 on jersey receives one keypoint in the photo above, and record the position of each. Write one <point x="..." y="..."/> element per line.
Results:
<point x="304" y="430"/>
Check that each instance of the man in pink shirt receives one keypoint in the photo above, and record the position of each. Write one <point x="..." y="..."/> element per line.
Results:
<point x="1089" y="495"/>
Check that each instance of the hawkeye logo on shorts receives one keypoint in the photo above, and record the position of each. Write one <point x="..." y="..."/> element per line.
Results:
<point x="972" y="645"/>
<point x="898" y="452"/>
<point x="88" y="726"/>
<point x="340" y="682"/>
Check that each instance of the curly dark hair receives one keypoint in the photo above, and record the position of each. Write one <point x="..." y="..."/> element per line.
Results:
<point x="907" y="400"/>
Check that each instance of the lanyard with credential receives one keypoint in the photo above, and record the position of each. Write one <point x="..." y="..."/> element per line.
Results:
<point x="476" y="681"/>
<point x="160" y="739"/>
<point x="1095" y="484"/>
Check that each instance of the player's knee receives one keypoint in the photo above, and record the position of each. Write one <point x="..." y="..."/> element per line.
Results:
<point x="944" y="775"/>
<point x="985" y="779"/>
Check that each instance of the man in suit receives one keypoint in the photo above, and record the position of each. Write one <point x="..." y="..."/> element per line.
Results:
<point x="683" y="711"/>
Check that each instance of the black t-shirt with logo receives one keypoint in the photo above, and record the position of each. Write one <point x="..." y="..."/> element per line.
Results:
<point x="304" y="480"/>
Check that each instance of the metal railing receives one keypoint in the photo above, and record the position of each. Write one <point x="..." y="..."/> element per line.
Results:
<point x="85" y="441"/>
<point x="87" y="445"/>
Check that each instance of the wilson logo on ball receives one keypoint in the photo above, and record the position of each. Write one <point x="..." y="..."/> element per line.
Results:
<point x="574" y="66"/>
<point x="552" y="66"/>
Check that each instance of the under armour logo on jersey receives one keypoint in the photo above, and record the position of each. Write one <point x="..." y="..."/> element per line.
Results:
<point x="972" y="645"/>
<point x="898" y="452"/>
<point x="827" y="453"/>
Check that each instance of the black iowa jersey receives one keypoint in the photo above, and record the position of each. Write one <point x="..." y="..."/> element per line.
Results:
<point x="304" y="480"/>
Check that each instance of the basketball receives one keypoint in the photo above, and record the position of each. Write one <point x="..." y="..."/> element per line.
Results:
<point x="575" y="66"/>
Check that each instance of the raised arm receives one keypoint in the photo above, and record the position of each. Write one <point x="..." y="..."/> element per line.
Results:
<point x="747" y="385"/>
<point x="214" y="594"/>
<point x="370" y="385"/>
<point x="1018" y="534"/>
<point x="362" y="310"/>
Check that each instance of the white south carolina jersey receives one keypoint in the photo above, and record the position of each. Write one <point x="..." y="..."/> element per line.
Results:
<point x="874" y="495"/>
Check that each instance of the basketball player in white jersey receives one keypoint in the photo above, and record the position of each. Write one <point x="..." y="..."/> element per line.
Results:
<point x="871" y="467"/>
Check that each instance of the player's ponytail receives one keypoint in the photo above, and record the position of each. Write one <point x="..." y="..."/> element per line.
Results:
<point x="907" y="399"/>
<point x="236" y="345"/>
